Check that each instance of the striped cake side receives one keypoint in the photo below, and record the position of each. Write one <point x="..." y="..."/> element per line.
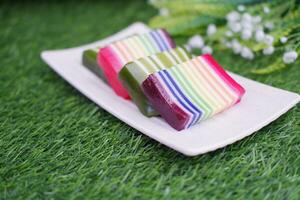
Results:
<point x="222" y="73"/>
<point x="167" y="37"/>
<point x="200" y="88"/>
<point x="129" y="49"/>
<point x="169" y="108"/>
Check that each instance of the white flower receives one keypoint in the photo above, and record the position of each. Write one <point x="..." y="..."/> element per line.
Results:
<point x="266" y="9"/>
<point x="269" y="50"/>
<point x="256" y="19"/>
<point x="290" y="57"/>
<point x="247" y="25"/>
<point x="269" y="39"/>
<point x="259" y="35"/>
<point x="164" y="12"/>
<point x="211" y="29"/>
<point x="229" y="34"/>
<point x="246" y="17"/>
<point x="247" y="53"/>
<point x="196" y="42"/>
<point x="283" y="40"/>
<point x="246" y="34"/>
<point x="269" y="25"/>
<point x="207" y="49"/>
<point x="235" y="27"/>
<point x="241" y="8"/>
<point x="233" y="16"/>
<point x="236" y="46"/>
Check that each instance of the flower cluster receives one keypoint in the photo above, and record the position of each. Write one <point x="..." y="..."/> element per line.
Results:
<point x="242" y="27"/>
<point x="197" y="42"/>
<point x="260" y="29"/>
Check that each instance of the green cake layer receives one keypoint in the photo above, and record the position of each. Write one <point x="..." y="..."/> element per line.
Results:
<point x="89" y="60"/>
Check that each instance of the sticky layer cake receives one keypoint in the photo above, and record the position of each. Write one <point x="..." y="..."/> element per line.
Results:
<point x="114" y="56"/>
<point x="192" y="91"/>
<point x="89" y="60"/>
<point x="133" y="74"/>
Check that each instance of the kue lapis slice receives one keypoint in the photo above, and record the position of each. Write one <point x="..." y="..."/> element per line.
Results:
<point x="192" y="91"/>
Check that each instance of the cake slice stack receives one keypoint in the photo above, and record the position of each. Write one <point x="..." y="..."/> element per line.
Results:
<point x="134" y="73"/>
<point x="164" y="80"/>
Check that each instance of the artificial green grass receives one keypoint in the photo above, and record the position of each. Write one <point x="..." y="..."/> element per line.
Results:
<point x="56" y="144"/>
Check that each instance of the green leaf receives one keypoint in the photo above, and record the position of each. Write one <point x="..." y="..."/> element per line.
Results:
<point x="178" y="24"/>
<point x="276" y="66"/>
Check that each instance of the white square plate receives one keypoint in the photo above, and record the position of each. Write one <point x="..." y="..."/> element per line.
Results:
<point x="261" y="104"/>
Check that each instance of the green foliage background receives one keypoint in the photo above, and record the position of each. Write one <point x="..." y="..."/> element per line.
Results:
<point x="56" y="144"/>
<point x="189" y="17"/>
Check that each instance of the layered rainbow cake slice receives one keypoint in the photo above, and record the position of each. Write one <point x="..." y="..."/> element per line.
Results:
<point x="89" y="60"/>
<point x="191" y="91"/>
<point x="133" y="74"/>
<point x="114" y="56"/>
